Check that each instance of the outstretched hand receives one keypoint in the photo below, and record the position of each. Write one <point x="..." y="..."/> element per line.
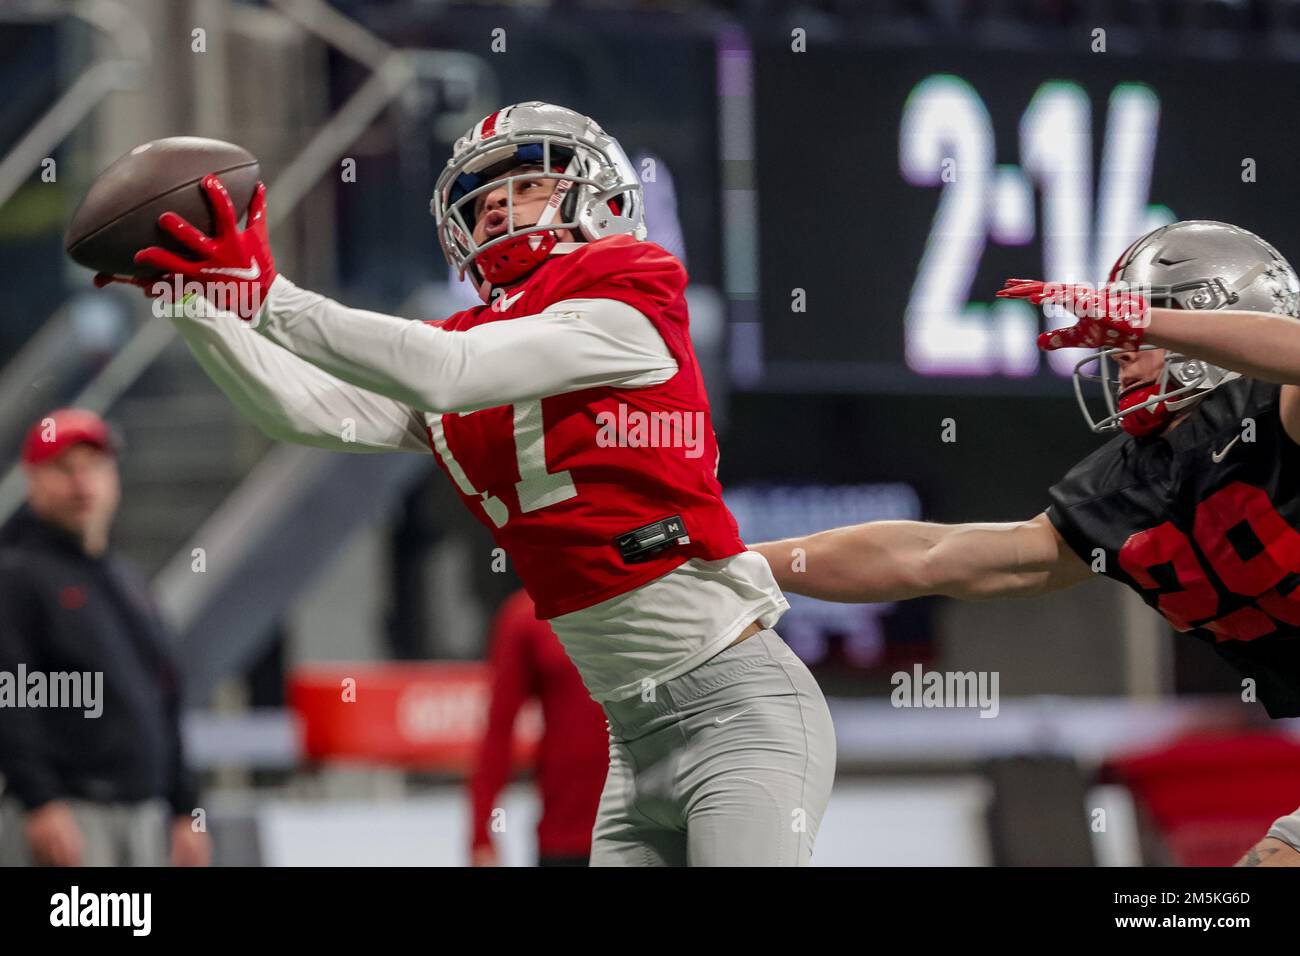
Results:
<point x="235" y="265"/>
<point x="1109" y="317"/>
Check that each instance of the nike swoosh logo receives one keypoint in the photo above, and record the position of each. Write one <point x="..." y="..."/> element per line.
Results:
<point x="723" y="720"/>
<point x="251" y="272"/>
<point x="506" y="301"/>
<point x="1218" y="456"/>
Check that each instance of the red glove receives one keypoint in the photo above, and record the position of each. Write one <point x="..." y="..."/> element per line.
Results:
<point x="1110" y="317"/>
<point x="236" y="266"/>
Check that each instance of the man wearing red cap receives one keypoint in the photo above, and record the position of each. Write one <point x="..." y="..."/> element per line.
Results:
<point x="91" y="780"/>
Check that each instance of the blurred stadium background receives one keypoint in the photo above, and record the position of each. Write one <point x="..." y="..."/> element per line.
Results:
<point x="800" y="187"/>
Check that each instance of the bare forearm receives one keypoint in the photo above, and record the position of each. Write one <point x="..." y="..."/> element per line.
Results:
<point x="1256" y="344"/>
<point x="1270" y="852"/>
<point x="865" y="563"/>
<point x="897" y="560"/>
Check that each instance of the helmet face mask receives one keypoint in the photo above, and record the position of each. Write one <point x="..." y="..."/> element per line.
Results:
<point x="597" y="193"/>
<point x="1195" y="265"/>
<point x="1178" y="385"/>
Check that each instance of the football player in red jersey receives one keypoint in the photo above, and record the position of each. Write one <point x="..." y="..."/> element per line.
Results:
<point x="570" y="413"/>
<point x="1196" y="506"/>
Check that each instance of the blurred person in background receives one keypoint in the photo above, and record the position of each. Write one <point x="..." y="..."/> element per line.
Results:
<point x="83" y="790"/>
<point x="573" y="755"/>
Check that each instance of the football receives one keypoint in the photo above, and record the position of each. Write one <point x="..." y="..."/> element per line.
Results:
<point x="119" y="214"/>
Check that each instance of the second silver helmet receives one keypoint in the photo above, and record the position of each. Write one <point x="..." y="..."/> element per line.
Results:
<point x="1195" y="264"/>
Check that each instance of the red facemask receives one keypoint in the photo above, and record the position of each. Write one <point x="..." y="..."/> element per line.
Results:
<point x="1144" y="421"/>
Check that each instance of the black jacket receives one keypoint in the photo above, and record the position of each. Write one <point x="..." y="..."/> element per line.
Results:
<point x="62" y="610"/>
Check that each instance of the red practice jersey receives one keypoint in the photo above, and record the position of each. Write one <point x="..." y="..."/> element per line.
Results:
<point x="554" y="496"/>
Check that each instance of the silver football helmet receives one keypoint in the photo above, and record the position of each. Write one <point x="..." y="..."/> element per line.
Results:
<point x="1197" y="264"/>
<point x="598" y="193"/>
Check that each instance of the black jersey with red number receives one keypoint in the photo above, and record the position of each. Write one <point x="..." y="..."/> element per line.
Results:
<point x="1202" y="522"/>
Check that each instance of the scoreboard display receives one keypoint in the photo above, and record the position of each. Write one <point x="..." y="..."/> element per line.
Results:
<point x="891" y="212"/>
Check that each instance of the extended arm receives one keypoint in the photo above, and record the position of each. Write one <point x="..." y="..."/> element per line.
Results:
<point x="572" y="345"/>
<point x="1259" y="345"/>
<point x="896" y="560"/>
<point x="1256" y="344"/>
<point x="290" y="399"/>
<point x="1270" y="851"/>
<point x="576" y="344"/>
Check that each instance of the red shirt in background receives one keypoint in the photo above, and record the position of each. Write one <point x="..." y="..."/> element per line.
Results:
<point x="573" y="755"/>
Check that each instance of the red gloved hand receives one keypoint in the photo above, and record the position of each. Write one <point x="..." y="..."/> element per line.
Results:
<point x="1110" y="317"/>
<point x="235" y="266"/>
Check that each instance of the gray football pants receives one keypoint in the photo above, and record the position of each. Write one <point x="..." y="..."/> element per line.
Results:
<point x="730" y="764"/>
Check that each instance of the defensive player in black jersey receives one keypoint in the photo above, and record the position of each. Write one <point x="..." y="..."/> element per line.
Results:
<point x="1195" y="505"/>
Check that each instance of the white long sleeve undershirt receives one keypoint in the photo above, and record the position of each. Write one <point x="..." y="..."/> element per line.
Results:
<point x="572" y="345"/>
<point x="325" y="375"/>
<point x="290" y="399"/>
